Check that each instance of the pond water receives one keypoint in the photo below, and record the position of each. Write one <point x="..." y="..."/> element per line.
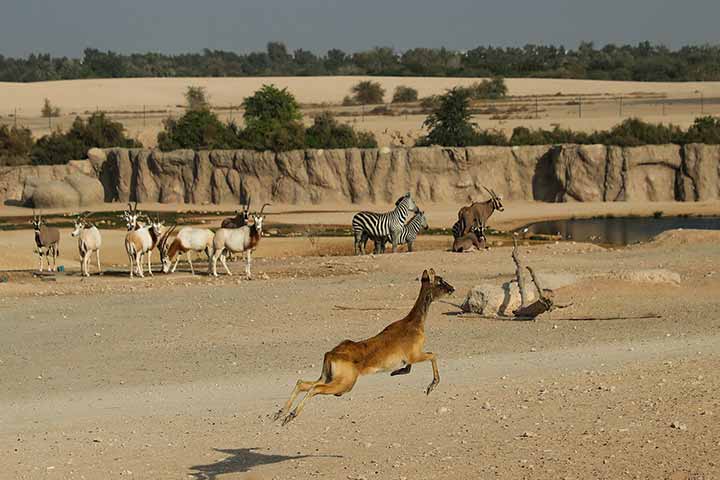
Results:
<point x="620" y="230"/>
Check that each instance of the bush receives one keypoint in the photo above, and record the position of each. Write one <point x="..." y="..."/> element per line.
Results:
<point x="272" y="118"/>
<point x="487" y="89"/>
<point x="404" y="94"/>
<point x="196" y="130"/>
<point x="430" y="103"/>
<point x="327" y="132"/>
<point x="15" y="145"/>
<point x="98" y="131"/>
<point x="704" y="130"/>
<point x="196" y="98"/>
<point x="368" y="92"/>
<point x="48" y="111"/>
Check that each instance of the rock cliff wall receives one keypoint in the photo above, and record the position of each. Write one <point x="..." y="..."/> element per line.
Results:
<point x="545" y="173"/>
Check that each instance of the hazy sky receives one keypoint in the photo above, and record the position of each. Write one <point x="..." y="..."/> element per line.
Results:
<point x="66" y="27"/>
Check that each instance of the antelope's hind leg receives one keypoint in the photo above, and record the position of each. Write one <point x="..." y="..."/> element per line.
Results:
<point x="344" y="375"/>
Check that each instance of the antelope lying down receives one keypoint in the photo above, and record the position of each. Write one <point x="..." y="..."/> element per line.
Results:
<point x="141" y="242"/>
<point x="237" y="240"/>
<point x="47" y="241"/>
<point x="187" y="240"/>
<point x="393" y="350"/>
<point x="89" y="241"/>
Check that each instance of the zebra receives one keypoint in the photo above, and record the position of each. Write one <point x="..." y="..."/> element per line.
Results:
<point x="378" y="225"/>
<point x="405" y="234"/>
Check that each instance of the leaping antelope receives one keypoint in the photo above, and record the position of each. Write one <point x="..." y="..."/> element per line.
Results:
<point x="187" y="240"/>
<point x="480" y="212"/>
<point x="393" y="350"/>
<point x="89" y="241"/>
<point x="141" y="242"/>
<point x="47" y="241"/>
<point x="238" y="240"/>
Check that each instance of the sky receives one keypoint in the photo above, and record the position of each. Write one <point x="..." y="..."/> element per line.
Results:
<point x="67" y="27"/>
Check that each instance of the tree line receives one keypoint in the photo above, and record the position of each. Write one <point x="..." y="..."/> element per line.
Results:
<point x="642" y="62"/>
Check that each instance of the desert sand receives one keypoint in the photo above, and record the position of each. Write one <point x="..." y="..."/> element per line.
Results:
<point x="126" y="99"/>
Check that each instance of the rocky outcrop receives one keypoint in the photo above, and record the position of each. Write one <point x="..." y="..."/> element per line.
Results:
<point x="563" y="173"/>
<point x="74" y="191"/>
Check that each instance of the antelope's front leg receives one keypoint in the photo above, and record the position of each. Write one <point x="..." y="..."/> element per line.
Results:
<point x="149" y="254"/>
<point x="248" y="262"/>
<point x="424" y="357"/>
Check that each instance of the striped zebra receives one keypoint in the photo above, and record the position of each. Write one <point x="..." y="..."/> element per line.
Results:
<point x="458" y="228"/>
<point x="378" y="225"/>
<point x="406" y="234"/>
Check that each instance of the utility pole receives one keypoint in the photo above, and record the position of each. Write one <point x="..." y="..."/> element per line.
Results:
<point x="15" y="117"/>
<point x="621" y="106"/>
<point x="579" y="107"/>
<point x="537" y="108"/>
<point x="143" y="116"/>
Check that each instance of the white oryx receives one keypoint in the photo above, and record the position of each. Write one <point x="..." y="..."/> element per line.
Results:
<point x="238" y="240"/>
<point x="186" y="241"/>
<point x="89" y="241"/>
<point x="141" y="242"/>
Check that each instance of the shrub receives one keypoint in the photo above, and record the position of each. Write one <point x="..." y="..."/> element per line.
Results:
<point x="368" y="92"/>
<point x="197" y="130"/>
<point x="15" y="145"/>
<point x="196" y="98"/>
<point x="487" y="89"/>
<point x="272" y="119"/>
<point x="404" y="94"/>
<point x="704" y="130"/>
<point x="48" y="111"/>
<point x="430" y="103"/>
<point x="449" y="123"/>
<point x="348" y="101"/>
<point x="327" y="132"/>
<point x="98" y="131"/>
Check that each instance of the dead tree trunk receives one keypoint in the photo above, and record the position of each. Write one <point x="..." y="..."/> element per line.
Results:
<point x="544" y="302"/>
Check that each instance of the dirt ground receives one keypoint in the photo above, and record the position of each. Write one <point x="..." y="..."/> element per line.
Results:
<point x="178" y="376"/>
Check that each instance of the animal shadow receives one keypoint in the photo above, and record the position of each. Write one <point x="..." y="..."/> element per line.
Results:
<point x="241" y="460"/>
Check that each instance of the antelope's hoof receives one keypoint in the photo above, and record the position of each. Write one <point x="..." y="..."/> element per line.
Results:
<point x="277" y="415"/>
<point x="290" y="417"/>
<point x="431" y="387"/>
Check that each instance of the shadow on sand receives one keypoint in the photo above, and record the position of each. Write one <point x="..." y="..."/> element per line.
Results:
<point x="242" y="460"/>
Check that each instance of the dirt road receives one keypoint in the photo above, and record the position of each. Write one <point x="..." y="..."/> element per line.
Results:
<point x="178" y="376"/>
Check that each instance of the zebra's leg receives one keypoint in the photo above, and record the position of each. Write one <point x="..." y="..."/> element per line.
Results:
<point x="394" y="237"/>
<point x="357" y="239"/>
<point x="410" y="246"/>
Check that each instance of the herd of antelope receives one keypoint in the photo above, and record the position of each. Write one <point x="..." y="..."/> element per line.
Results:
<point x="237" y="235"/>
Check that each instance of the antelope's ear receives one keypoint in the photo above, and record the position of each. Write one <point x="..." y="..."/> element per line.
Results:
<point x="432" y="274"/>
<point x="426" y="276"/>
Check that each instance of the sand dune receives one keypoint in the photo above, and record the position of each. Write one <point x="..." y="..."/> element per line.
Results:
<point x="133" y="93"/>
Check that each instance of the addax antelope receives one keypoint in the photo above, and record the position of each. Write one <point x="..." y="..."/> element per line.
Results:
<point x="141" y="242"/>
<point x="393" y="350"/>
<point x="47" y="241"/>
<point x="186" y="241"/>
<point x="480" y="212"/>
<point x="89" y="241"/>
<point x="379" y="225"/>
<point x="238" y="240"/>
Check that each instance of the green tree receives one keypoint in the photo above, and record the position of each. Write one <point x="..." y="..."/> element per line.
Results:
<point x="449" y="123"/>
<point x="196" y="130"/>
<point x="196" y="98"/>
<point x="272" y="121"/>
<point x="368" y="92"/>
<point x="49" y="110"/>
<point x="404" y="94"/>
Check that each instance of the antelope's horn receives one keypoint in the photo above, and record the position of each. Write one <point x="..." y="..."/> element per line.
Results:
<point x="263" y="207"/>
<point x="492" y="195"/>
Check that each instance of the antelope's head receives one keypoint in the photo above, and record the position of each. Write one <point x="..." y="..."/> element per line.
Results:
<point x="164" y="247"/>
<point x="131" y="217"/>
<point x="36" y="221"/>
<point x="439" y="288"/>
<point x="259" y="217"/>
<point x="496" y="200"/>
